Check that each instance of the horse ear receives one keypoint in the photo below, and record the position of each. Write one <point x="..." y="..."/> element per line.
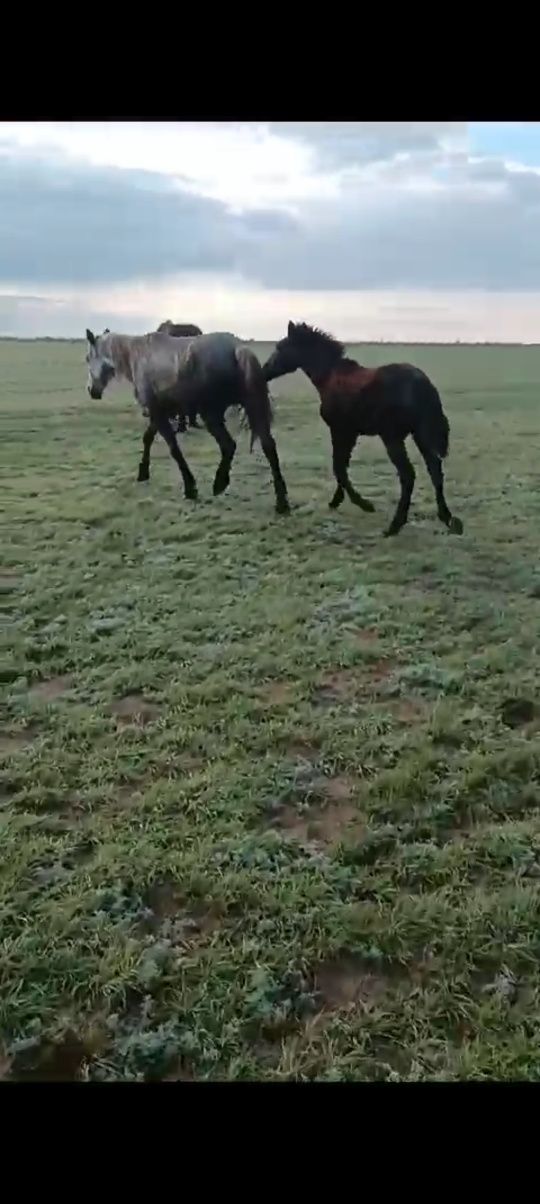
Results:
<point x="91" y="337"/>
<point x="106" y="331"/>
<point x="291" y="329"/>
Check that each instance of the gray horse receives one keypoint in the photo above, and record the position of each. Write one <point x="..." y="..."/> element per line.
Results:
<point x="205" y="374"/>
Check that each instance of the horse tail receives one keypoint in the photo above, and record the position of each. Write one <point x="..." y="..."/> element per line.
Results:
<point x="434" y="425"/>
<point x="255" y="396"/>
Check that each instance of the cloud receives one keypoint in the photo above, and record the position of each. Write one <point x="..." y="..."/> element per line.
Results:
<point x="411" y="209"/>
<point x="65" y="221"/>
<point x="338" y="143"/>
<point x="466" y="225"/>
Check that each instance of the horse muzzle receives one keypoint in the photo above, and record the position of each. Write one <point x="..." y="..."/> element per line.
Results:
<point x="95" y="394"/>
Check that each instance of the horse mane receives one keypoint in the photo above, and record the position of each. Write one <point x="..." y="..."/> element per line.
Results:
<point x="311" y="337"/>
<point x="119" y="348"/>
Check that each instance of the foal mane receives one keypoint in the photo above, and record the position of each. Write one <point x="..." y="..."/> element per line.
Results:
<point x="311" y="337"/>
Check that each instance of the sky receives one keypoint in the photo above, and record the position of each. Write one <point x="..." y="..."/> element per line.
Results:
<point x="400" y="231"/>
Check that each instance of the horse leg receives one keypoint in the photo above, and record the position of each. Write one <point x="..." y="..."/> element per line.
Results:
<point x="163" y="425"/>
<point x="342" y="447"/>
<point x="227" y="445"/>
<point x="269" y="448"/>
<point x="434" y="466"/>
<point x="257" y="407"/>
<point x="148" y="439"/>
<point x="397" y="453"/>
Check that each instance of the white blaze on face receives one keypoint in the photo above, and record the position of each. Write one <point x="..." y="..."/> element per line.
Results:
<point x="100" y="366"/>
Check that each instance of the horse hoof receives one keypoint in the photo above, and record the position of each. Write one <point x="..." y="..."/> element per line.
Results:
<point x="455" y="526"/>
<point x="391" y="530"/>
<point x="283" y="507"/>
<point x="367" y="506"/>
<point x="143" y="476"/>
<point x="220" y="487"/>
<point x="191" y="495"/>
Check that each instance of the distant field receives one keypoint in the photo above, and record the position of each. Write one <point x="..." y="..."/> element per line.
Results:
<point x="269" y="788"/>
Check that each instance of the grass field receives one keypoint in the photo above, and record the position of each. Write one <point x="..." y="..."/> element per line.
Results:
<point x="269" y="788"/>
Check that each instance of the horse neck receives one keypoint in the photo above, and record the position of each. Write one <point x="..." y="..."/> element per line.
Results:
<point x="319" y="370"/>
<point x="121" y="350"/>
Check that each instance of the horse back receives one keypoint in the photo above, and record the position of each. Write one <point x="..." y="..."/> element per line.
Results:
<point x="185" y="368"/>
<point x="372" y="401"/>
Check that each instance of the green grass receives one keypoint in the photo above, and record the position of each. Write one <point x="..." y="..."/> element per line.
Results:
<point x="318" y="856"/>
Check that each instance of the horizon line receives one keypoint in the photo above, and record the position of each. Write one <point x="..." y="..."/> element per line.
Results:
<point x="48" y="338"/>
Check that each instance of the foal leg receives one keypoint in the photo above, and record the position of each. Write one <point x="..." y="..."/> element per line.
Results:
<point x="398" y="455"/>
<point x="148" y="439"/>
<point x="342" y="447"/>
<point x="434" y="466"/>
<point x="163" y="425"/>
<point x="227" y="445"/>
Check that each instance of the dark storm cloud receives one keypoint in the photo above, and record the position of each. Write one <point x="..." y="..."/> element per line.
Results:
<point x="66" y="222"/>
<point x="441" y="240"/>
<point x="62" y="222"/>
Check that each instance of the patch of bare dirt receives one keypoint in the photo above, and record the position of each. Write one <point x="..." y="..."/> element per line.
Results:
<point x="181" y="1072"/>
<point x="8" y="582"/>
<point x="345" y="983"/>
<point x="407" y="710"/>
<point x="125" y="797"/>
<point x="83" y="852"/>
<point x="165" y="899"/>
<point x="266" y="1052"/>
<point x="381" y="669"/>
<point x="47" y="691"/>
<point x="339" y="788"/>
<point x="182" y="924"/>
<point x="11" y="742"/>
<point x="342" y="684"/>
<point x="5" y="1064"/>
<point x="517" y="711"/>
<point x="336" y="687"/>
<point x="324" y="823"/>
<point x="51" y="1062"/>
<point x="63" y="811"/>
<point x="135" y="709"/>
<point x="276" y="693"/>
<point x="301" y="751"/>
<point x="367" y="635"/>
<point x="192" y="763"/>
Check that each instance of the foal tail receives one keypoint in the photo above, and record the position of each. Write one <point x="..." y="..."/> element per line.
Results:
<point x="255" y="396"/>
<point x="434" y="425"/>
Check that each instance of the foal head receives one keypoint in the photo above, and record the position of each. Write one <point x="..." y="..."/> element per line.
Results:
<point x="101" y="368"/>
<point x="304" y="347"/>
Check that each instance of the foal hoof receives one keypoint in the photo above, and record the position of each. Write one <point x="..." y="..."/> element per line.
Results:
<point x="283" y="507"/>
<point x="392" y="530"/>
<point x="143" y="475"/>
<point x="220" y="487"/>
<point x="191" y="495"/>
<point x="455" y="526"/>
